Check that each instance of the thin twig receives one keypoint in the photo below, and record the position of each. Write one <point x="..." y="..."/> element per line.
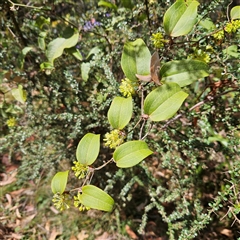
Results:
<point x="197" y="105"/>
<point x="106" y="163"/>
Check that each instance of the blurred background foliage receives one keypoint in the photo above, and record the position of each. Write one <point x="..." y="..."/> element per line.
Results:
<point x="189" y="188"/>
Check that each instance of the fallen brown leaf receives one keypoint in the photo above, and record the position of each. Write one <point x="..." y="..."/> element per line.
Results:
<point x="8" y="178"/>
<point x="54" y="234"/>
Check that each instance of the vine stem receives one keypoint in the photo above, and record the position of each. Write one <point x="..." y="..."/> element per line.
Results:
<point x="106" y="163"/>
<point x="22" y="5"/>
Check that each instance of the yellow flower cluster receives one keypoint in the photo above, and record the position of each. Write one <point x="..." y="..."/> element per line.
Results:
<point x="219" y="35"/>
<point x="79" y="169"/>
<point x="200" y="55"/>
<point x="11" y="122"/>
<point x="61" y="201"/>
<point x="232" y="26"/>
<point x="114" y="138"/>
<point x="78" y="204"/>
<point x="127" y="87"/>
<point x="158" y="40"/>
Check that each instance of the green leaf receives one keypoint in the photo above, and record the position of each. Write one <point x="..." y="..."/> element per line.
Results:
<point x="180" y="18"/>
<point x="75" y="52"/>
<point x="120" y="112"/>
<point x="93" y="51"/>
<point x="163" y="102"/>
<point x="235" y="13"/>
<point x="232" y="51"/>
<point x="207" y="24"/>
<point x="55" y="48"/>
<point x="127" y="4"/>
<point x="41" y="40"/>
<point x="59" y="182"/>
<point x="18" y="94"/>
<point x="136" y="59"/>
<point x="88" y="149"/>
<point x="94" y="197"/>
<point x="131" y="153"/>
<point x="183" y="72"/>
<point x="107" y="4"/>
<point x="85" y="69"/>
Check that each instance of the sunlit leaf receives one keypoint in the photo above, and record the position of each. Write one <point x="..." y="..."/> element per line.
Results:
<point x="235" y="13"/>
<point x="131" y="153"/>
<point x="94" y="197"/>
<point x="55" y="48"/>
<point x="75" y="52"/>
<point x="88" y="149"/>
<point x="183" y="72"/>
<point x="163" y="102"/>
<point x="180" y="18"/>
<point x="19" y="94"/>
<point x="85" y="69"/>
<point x="120" y="112"/>
<point x="232" y="51"/>
<point x="136" y="59"/>
<point x="59" y="182"/>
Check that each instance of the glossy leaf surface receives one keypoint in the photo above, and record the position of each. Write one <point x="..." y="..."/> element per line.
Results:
<point x="163" y="102"/>
<point x="59" y="182"/>
<point x="180" y="18"/>
<point x="120" y="112"/>
<point x="94" y="197"/>
<point x="88" y="149"/>
<point x="131" y="153"/>
<point x="136" y="59"/>
<point x="183" y="72"/>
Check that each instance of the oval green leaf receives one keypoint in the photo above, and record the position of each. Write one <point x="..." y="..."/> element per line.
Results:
<point x="131" y="153"/>
<point x="18" y="94"/>
<point x="94" y="197"/>
<point x="136" y="59"/>
<point x="59" y="182"/>
<point x="55" y="48"/>
<point x="88" y="149"/>
<point x="180" y="18"/>
<point x="183" y="72"/>
<point x="235" y="13"/>
<point x="163" y="102"/>
<point x="120" y="112"/>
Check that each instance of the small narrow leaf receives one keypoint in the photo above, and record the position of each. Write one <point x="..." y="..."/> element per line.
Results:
<point x="59" y="182"/>
<point x="88" y="149"/>
<point x="183" y="72"/>
<point x="180" y="18"/>
<point x="120" y="112"/>
<point x="136" y="59"/>
<point x="19" y="94"/>
<point x="94" y="197"/>
<point x="131" y="153"/>
<point x="55" y="48"/>
<point x="85" y="69"/>
<point x="163" y="102"/>
<point x="235" y="13"/>
<point x="75" y="52"/>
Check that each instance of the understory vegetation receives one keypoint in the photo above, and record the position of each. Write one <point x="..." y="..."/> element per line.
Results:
<point x="63" y="67"/>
